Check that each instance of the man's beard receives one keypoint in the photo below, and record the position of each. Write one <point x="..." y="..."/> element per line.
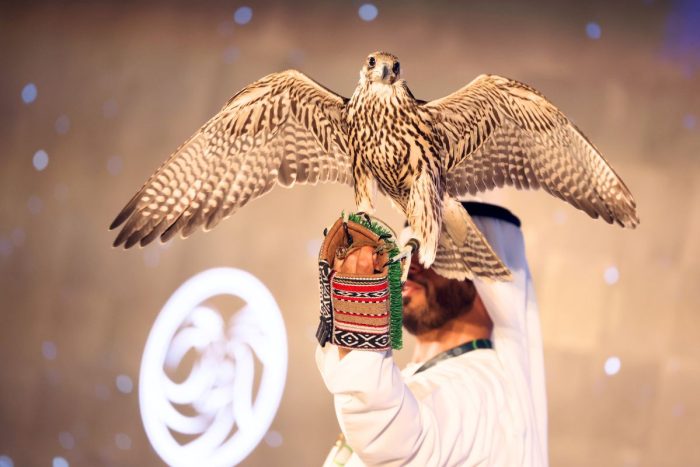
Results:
<point x="445" y="302"/>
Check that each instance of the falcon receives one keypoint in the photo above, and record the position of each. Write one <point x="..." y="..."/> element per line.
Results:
<point x="286" y="128"/>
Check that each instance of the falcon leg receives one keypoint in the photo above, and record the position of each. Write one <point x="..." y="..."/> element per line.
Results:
<point x="424" y="215"/>
<point x="365" y="189"/>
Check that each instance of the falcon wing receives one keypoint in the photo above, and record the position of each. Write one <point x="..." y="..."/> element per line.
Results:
<point x="284" y="128"/>
<point x="496" y="132"/>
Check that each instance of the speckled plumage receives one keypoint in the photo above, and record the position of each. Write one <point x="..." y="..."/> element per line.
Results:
<point x="285" y="128"/>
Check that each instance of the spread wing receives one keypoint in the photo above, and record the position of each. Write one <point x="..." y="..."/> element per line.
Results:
<point x="496" y="132"/>
<point x="284" y="128"/>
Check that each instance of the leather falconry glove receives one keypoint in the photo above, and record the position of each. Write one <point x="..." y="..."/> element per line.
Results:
<point x="360" y="311"/>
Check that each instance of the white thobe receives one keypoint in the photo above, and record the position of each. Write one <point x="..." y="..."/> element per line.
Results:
<point x="458" y="412"/>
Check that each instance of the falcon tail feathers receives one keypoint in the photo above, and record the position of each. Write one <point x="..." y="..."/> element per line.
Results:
<point x="463" y="252"/>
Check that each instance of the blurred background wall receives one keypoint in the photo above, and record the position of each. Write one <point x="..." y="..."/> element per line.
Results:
<point x="93" y="96"/>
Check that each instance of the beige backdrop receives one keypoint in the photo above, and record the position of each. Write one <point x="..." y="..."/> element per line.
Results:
<point x="135" y="81"/>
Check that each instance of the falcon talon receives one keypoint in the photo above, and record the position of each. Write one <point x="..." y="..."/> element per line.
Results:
<point x="347" y="233"/>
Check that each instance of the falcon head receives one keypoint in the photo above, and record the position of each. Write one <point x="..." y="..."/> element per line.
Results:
<point x="381" y="67"/>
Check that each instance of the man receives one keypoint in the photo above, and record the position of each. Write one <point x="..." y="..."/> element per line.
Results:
<point x="459" y="402"/>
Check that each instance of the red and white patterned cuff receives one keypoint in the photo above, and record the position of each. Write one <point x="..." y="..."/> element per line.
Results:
<point x="360" y="311"/>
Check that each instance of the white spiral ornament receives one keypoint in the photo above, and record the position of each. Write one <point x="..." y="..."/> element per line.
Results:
<point x="213" y="417"/>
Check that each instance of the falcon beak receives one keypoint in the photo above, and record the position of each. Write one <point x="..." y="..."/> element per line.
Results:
<point x="385" y="72"/>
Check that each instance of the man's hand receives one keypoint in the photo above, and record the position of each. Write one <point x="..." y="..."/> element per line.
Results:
<point x="360" y="261"/>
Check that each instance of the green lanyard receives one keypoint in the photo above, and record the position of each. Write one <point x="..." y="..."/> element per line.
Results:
<point x="455" y="351"/>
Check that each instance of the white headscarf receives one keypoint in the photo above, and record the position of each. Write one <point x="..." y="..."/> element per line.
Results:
<point x="516" y="334"/>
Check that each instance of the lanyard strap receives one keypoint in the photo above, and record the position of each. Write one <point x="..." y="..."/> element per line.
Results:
<point x="455" y="351"/>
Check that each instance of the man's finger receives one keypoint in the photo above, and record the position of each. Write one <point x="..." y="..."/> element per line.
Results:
<point x="350" y="263"/>
<point x="365" y="265"/>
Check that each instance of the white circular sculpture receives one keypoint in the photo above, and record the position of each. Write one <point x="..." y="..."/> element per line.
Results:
<point x="214" y="408"/>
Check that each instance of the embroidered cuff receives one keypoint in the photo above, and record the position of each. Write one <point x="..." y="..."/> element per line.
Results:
<point x="360" y="311"/>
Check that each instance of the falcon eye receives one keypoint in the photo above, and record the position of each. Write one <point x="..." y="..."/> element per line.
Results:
<point x="372" y="62"/>
<point x="396" y="68"/>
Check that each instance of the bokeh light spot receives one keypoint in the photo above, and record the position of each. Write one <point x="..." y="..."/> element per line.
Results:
<point x="60" y="462"/>
<point x="114" y="165"/>
<point x="5" y="461"/>
<point x="243" y="15"/>
<point x="62" y="124"/>
<point x="48" y="350"/>
<point x="124" y="384"/>
<point x="273" y="439"/>
<point x="593" y="30"/>
<point x="40" y="160"/>
<point x="368" y="12"/>
<point x="66" y="440"/>
<point x="689" y="121"/>
<point x="122" y="441"/>
<point x="29" y="93"/>
<point x="612" y="366"/>
<point x="611" y="275"/>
